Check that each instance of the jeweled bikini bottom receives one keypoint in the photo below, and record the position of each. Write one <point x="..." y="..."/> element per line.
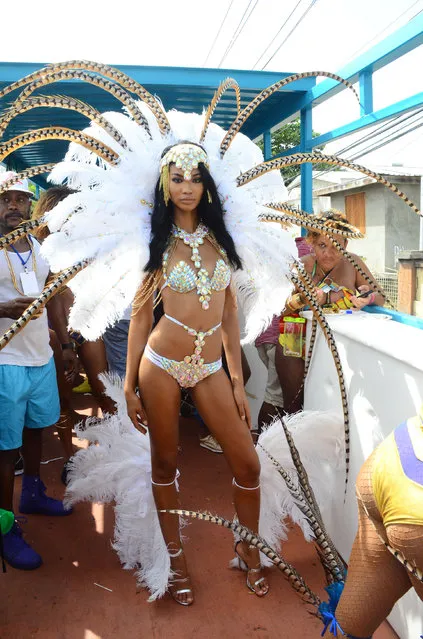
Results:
<point x="192" y="369"/>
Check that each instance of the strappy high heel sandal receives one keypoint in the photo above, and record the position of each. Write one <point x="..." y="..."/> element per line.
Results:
<point x="241" y="565"/>
<point x="175" y="594"/>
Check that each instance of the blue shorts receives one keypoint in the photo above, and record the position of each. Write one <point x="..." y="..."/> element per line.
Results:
<point x="28" y="397"/>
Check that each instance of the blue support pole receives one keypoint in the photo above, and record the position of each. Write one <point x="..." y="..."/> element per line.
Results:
<point x="365" y="79"/>
<point x="306" y="169"/>
<point x="267" y="144"/>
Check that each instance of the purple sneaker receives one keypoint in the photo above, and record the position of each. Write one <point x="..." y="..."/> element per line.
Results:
<point x="17" y="552"/>
<point x="34" y="501"/>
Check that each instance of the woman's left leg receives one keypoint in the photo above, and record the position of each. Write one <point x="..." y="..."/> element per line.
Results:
<point x="215" y="401"/>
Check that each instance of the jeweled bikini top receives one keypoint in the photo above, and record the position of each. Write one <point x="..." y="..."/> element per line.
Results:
<point x="184" y="279"/>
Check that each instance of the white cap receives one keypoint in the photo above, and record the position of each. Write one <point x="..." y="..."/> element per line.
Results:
<point x="20" y="185"/>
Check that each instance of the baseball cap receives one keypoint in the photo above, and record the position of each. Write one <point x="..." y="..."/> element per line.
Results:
<point x="21" y="185"/>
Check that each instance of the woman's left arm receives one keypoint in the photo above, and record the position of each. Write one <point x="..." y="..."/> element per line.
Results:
<point x="232" y="346"/>
<point x="362" y="286"/>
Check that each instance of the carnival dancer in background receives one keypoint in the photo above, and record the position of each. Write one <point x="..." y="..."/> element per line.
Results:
<point x="29" y="400"/>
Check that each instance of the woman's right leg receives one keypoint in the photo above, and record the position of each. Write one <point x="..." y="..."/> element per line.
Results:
<point x="161" y="397"/>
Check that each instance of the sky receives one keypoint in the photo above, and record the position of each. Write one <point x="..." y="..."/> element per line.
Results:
<point x="306" y="34"/>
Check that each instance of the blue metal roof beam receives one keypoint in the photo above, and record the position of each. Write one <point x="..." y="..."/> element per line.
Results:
<point x="391" y="48"/>
<point x="175" y="76"/>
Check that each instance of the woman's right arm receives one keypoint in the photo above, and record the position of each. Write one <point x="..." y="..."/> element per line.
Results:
<point x="139" y="330"/>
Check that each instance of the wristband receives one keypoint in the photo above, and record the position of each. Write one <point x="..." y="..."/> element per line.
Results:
<point x="69" y="345"/>
<point x="372" y="298"/>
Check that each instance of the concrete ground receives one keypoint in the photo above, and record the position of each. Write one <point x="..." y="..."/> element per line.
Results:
<point x="81" y="591"/>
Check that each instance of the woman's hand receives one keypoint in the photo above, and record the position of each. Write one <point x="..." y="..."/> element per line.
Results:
<point x="361" y="302"/>
<point x="136" y="411"/>
<point x="242" y="402"/>
<point x="321" y="296"/>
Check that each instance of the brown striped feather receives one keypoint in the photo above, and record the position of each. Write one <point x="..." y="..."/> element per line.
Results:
<point x="316" y="158"/>
<point x="44" y="79"/>
<point x="229" y="83"/>
<point x="252" y="106"/>
<point x="59" y="133"/>
<point x="49" y="291"/>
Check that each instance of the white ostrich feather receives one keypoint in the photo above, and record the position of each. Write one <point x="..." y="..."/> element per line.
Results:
<point x="319" y="439"/>
<point x="107" y="221"/>
<point x="116" y="468"/>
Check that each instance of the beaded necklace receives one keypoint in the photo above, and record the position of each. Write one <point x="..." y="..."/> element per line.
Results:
<point x="12" y="271"/>
<point x="193" y="240"/>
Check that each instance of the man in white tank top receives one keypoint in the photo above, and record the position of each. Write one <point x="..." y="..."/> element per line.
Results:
<point x="29" y="399"/>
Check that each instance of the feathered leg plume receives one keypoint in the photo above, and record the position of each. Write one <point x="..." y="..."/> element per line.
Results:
<point x="323" y="539"/>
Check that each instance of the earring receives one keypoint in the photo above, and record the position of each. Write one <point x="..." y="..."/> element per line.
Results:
<point x="164" y="183"/>
<point x="209" y="197"/>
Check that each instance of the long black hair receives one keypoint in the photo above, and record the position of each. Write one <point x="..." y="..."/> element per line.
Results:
<point x="210" y="213"/>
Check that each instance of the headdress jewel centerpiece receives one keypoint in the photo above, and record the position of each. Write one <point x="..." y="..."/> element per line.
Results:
<point x="185" y="156"/>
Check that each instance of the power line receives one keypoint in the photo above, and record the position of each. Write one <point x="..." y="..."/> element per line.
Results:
<point x="386" y="126"/>
<point x="311" y="5"/>
<point x="239" y="29"/>
<point x="218" y="33"/>
<point x="380" y="142"/>
<point x="364" y="46"/>
<point x="274" y="38"/>
<point x="400" y="134"/>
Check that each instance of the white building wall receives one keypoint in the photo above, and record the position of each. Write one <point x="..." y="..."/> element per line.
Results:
<point x="372" y="247"/>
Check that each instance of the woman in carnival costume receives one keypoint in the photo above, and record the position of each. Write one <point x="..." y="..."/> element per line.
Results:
<point x="191" y="260"/>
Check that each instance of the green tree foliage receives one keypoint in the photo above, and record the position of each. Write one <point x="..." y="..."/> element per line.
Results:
<point x="287" y="137"/>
